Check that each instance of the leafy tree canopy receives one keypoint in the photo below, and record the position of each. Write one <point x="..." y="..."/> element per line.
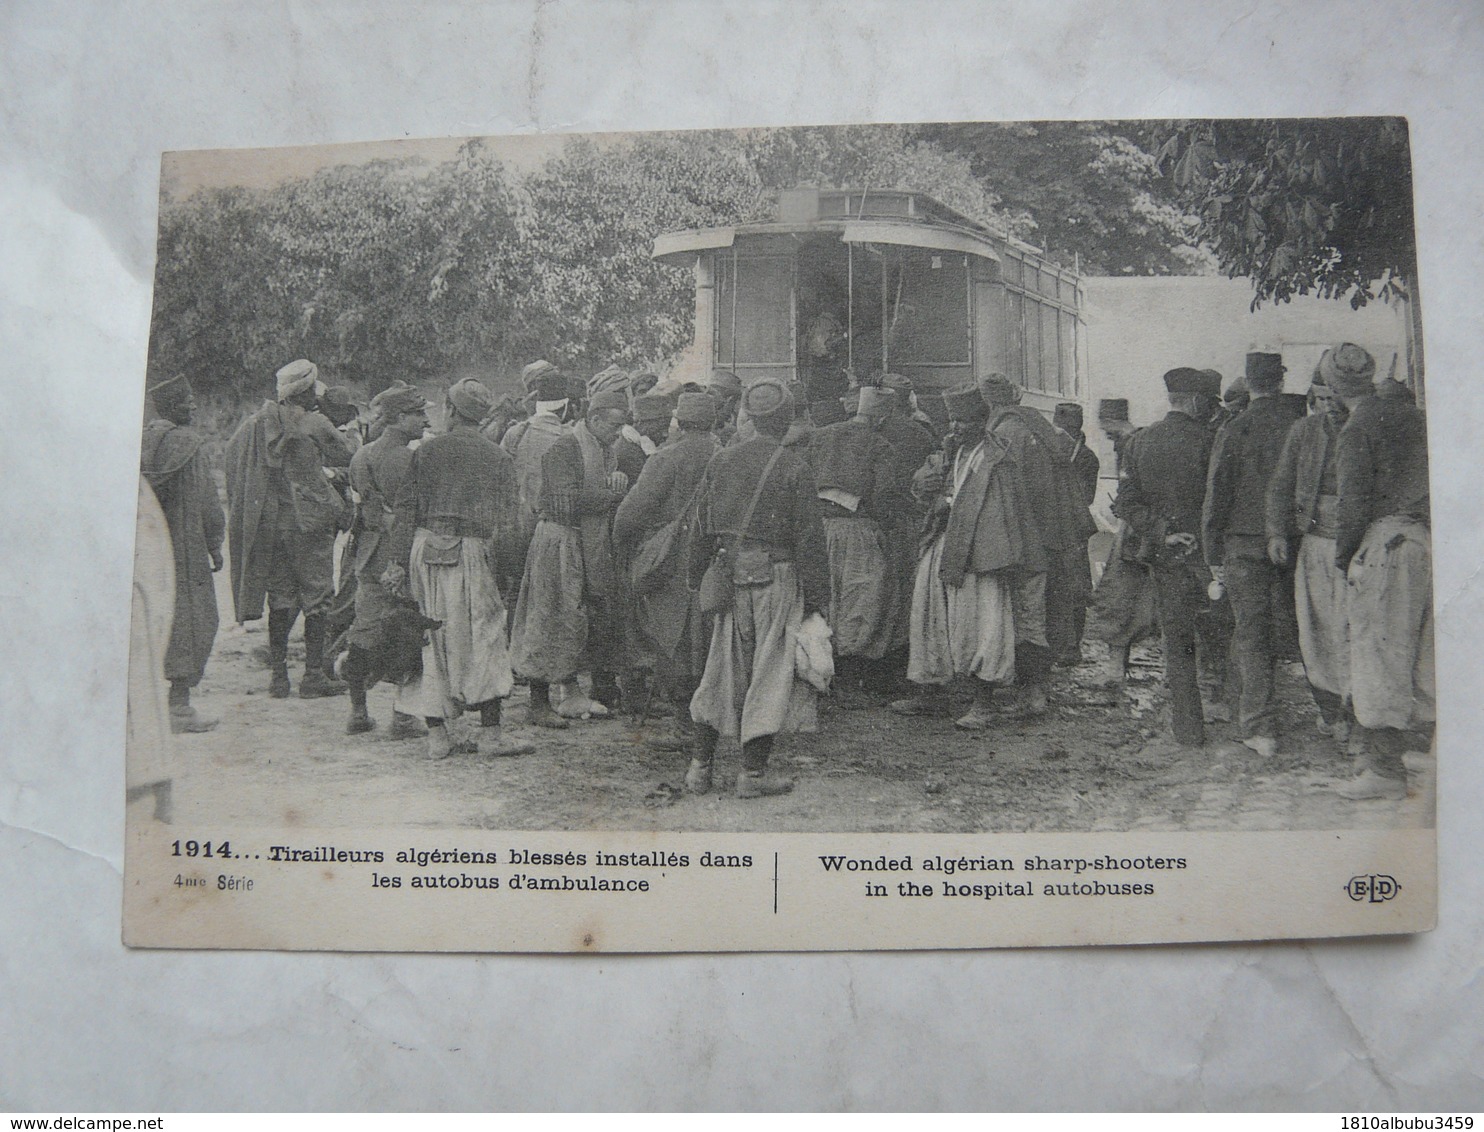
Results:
<point x="1301" y="205"/>
<point x="405" y="269"/>
<point x="1087" y="192"/>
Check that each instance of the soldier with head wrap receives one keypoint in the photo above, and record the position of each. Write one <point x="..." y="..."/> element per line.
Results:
<point x="861" y="491"/>
<point x="456" y="524"/>
<point x="758" y="526"/>
<point x="569" y="615"/>
<point x="284" y="515"/>
<point x="979" y="542"/>
<point x="1302" y="523"/>
<point x="176" y="466"/>
<point x="1383" y="542"/>
<point x="376" y="474"/>
<point x="1044" y="603"/>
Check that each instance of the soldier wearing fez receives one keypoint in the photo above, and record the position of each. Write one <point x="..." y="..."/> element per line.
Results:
<point x="455" y="520"/>
<point x="569" y="615"/>
<point x="912" y="442"/>
<point x="1043" y="600"/>
<point x="665" y="616"/>
<point x="760" y="535"/>
<point x="978" y="541"/>
<point x="860" y="494"/>
<point x="376" y="474"/>
<point x="1302" y="518"/>
<point x="1234" y="535"/>
<point x="1076" y="591"/>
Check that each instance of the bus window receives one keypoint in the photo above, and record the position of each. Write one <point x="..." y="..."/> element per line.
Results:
<point x="760" y="289"/>
<point x="930" y="318"/>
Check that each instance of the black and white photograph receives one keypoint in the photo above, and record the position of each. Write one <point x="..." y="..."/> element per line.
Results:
<point x="290" y="817"/>
<point x="981" y="553"/>
<point x="970" y="478"/>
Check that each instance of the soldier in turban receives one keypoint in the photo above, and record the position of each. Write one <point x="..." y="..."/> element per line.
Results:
<point x="283" y="518"/>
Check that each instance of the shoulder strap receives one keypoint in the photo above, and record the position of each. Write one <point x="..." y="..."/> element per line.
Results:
<point x="758" y="494"/>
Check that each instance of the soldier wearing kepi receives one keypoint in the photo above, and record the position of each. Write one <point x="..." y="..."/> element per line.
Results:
<point x="1384" y="543"/>
<point x="569" y="615"/>
<point x="177" y="468"/>
<point x="759" y="535"/>
<point x="284" y="515"/>
<point x="1303" y="522"/>
<point x="376" y="474"/>
<point x="1160" y="498"/>
<point x="456" y="519"/>
<point x="1234" y="535"/>
<point x="981" y="541"/>
<point x="859" y="492"/>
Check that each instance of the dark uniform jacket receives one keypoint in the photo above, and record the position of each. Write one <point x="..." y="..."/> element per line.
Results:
<point x="1246" y="452"/>
<point x="911" y="442"/>
<point x="1382" y="457"/>
<point x="1164" y="482"/>
<point x="376" y="473"/>
<point x="669" y="480"/>
<point x="1084" y="463"/>
<point x="786" y="519"/>
<point x="1295" y="491"/>
<point x="459" y="484"/>
<point x="851" y="457"/>
<point x="275" y="465"/>
<point x="629" y="458"/>
<point x="1056" y="505"/>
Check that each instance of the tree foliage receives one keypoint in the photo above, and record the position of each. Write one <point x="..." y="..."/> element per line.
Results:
<point x="1087" y="192"/>
<point x="404" y="269"/>
<point x="1302" y="205"/>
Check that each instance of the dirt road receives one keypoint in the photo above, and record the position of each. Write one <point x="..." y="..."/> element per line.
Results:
<point x="1095" y="762"/>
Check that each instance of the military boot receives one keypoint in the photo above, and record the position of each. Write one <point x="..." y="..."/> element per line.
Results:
<point x="360" y="718"/>
<point x="316" y="684"/>
<point x="703" y="755"/>
<point x="754" y="780"/>
<point x="280" y="622"/>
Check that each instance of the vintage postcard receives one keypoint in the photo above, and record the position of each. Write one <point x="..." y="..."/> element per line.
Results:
<point x="840" y="537"/>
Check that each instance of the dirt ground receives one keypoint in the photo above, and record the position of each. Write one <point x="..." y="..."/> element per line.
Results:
<point x="1095" y="762"/>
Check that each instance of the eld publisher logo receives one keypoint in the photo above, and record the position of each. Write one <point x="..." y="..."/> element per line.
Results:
<point x="1372" y="889"/>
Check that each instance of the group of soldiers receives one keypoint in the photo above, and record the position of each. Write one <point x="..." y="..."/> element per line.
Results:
<point x="1248" y="516"/>
<point x="722" y="553"/>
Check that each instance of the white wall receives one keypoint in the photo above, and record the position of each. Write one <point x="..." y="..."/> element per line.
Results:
<point x="1137" y="328"/>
